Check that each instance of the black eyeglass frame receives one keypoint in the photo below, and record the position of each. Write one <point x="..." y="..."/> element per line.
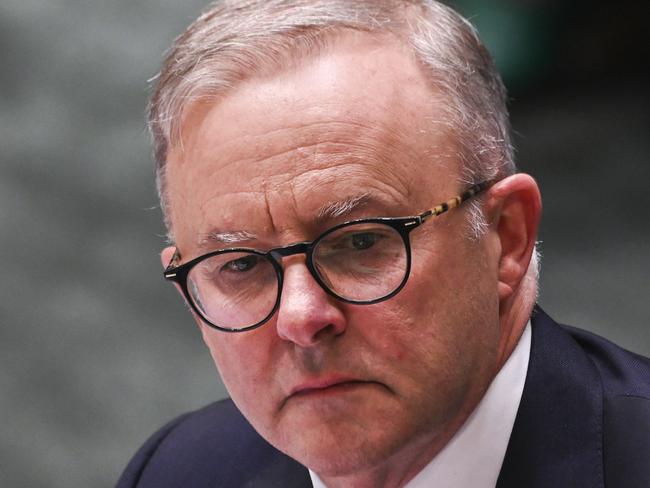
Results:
<point x="402" y="225"/>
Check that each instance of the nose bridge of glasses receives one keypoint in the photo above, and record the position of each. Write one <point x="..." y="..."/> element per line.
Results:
<point x="282" y="252"/>
<point x="294" y="249"/>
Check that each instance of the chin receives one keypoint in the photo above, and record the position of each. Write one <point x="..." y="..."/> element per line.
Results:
<point x="333" y="457"/>
<point x="342" y="447"/>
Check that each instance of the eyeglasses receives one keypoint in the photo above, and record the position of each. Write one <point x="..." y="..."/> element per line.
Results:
<point x="361" y="262"/>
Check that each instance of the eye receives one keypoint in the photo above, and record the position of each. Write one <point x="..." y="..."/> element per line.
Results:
<point x="363" y="240"/>
<point x="351" y="240"/>
<point x="241" y="265"/>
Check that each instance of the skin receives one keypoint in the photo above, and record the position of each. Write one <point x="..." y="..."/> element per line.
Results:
<point x="383" y="387"/>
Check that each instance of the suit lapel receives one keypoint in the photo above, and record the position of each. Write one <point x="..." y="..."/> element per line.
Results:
<point x="557" y="436"/>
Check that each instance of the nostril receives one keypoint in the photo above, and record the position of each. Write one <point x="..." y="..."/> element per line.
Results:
<point x="328" y="330"/>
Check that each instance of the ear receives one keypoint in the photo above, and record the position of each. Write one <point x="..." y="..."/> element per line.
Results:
<point x="514" y="207"/>
<point x="167" y="255"/>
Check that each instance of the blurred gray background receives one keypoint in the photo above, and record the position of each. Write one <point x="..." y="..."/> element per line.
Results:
<point x="96" y="351"/>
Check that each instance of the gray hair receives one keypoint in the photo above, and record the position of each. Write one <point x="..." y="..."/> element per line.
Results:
<point x="234" y="40"/>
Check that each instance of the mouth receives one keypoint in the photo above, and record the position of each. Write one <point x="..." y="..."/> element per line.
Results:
<point x="329" y="387"/>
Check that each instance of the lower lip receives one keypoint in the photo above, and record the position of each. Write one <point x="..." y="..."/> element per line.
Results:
<point x="333" y="390"/>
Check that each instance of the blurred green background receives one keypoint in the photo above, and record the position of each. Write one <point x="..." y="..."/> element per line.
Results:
<point x="96" y="351"/>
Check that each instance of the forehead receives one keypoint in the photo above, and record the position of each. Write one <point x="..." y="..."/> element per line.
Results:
<point x="359" y="119"/>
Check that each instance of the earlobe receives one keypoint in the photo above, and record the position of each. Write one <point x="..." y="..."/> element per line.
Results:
<point x="516" y="210"/>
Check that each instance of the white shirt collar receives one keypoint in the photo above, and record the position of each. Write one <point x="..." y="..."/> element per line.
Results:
<point x="473" y="457"/>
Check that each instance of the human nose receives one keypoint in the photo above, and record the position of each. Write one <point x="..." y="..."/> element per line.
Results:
<point x="307" y="314"/>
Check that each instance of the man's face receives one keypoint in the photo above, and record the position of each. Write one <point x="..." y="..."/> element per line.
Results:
<point x="341" y="387"/>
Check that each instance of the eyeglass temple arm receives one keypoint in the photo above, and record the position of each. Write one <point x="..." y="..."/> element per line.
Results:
<point x="457" y="200"/>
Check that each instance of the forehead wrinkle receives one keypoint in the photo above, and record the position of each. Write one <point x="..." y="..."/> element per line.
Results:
<point x="251" y="195"/>
<point x="350" y="132"/>
<point x="381" y="181"/>
<point x="382" y="148"/>
<point x="267" y="205"/>
<point x="301" y="135"/>
<point x="384" y="143"/>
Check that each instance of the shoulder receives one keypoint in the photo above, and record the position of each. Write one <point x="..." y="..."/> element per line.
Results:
<point x="620" y="372"/>
<point x="214" y="446"/>
<point x="625" y="380"/>
<point x="623" y="373"/>
<point x="620" y="380"/>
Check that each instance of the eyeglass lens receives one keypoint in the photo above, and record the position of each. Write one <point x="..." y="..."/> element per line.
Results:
<point x="359" y="262"/>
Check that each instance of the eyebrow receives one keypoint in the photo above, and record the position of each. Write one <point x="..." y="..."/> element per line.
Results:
<point x="225" y="237"/>
<point x="341" y="208"/>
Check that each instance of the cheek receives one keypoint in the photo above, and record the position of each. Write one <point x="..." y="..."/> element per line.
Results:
<point x="452" y="279"/>
<point x="244" y="362"/>
<point x="379" y="333"/>
<point x="446" y="317"/>
<point x="399" y="342"/>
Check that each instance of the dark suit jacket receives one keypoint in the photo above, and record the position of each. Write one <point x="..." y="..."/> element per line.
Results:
<point x="583" y="421"/>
